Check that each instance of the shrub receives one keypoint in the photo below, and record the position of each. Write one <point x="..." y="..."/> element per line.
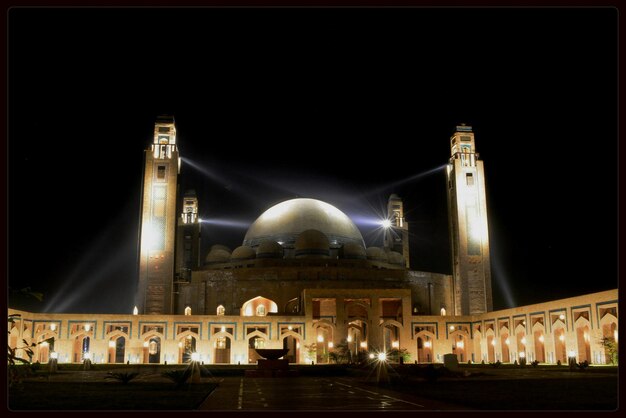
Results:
<point x="123" y="377"/>
<point x="534" y="363"/>
<point x="179" y="377"/>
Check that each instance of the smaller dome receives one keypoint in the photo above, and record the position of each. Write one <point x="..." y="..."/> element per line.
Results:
<point x="376" y="254"/>
<point x="218" y="255"/>
<point x="242" y="253"/>
<point x="395" y="258"/>
<point x="312" y="243"/>
<point x="269" y="249"/>
<point x="351" y="250"/>
<point x="220" y="247"/>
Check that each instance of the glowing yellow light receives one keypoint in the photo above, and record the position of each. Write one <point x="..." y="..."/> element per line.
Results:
<point x="320" y="338"/>
<point x="372" y="355"/>
<point x="189" y="337"/>
<point x="53" y="327"/>
<point x="135" y="311"/>
<point x="460" y="344"/>
<point x="507" y="342"/>
<point x="522" y="354"/>
<point x="586" y="337"/>
<point x="386" y="223"/>
<point x="297" y="345"/>
<point x="541" y="338"/>
<point x="562" y="337"/>
<point x="54" y="355"/>
<point x="87" y="355"/>
<point x="395" y="344"/>
<point x="363" y="344"/>
<point x="223" y="329"/>
<point x="87" y="327"/>
<point x="289" y="327"/>
<point x="615" y="335"/>
<point x="382" y="356"/>
<point x="493" y="342"/>
<point x="195" y="356"/>
<point x="111" y="344"/>
<point x="451" y="327"/>
<point x="572" y="353"/>
<point x="44" y="344"/>
<point x="561" y="317"/>
<point x="145" y="344"/>
<point x="523" y="340"/>
<point x="330" y="344"/>
<point x="349" y="339"/>
<point x="427" y="344"/>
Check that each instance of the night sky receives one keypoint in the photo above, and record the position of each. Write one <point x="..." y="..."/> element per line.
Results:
<point x="343" y="105"/>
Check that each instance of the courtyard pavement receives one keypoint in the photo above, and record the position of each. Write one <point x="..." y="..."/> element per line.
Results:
<point x="312" y="394"/>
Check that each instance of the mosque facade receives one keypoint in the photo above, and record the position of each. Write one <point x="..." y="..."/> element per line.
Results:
<point x="304" y="280"/>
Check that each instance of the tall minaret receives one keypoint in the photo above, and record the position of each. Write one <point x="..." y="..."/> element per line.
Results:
<point x="158" y="220"/>
<point x="397" y="235"/>
<point x="467" y="208"/>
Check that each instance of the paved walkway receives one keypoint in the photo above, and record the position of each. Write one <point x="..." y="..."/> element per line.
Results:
<point x="312" y="394"/>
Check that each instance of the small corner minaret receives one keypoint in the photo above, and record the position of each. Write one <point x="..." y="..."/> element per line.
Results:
<point x="397" y="235"/>
<point x="158" y="220"/>
<point x="467" y="210"/>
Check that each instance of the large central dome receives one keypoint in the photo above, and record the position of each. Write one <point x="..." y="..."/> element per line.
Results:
<point x="285" y="221"/>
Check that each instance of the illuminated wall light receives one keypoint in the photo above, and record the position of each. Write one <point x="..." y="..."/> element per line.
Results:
<point x="111" y="344"/>
<point x="427" y="344"/>
<point x="507" y="342"/>
<point x="372" y="355"/>
<point x="451" y="327"/>
<point x="54" y="355"/>
<point x="349" y="339"/>
<point x="223" y="329"/>
<point x="523" y="340"/>
<point x="44" y="344"/>
<point x="586" y="337"/>
<point x="330" y="344"/>
<point x="541" y="338"/>
<point x="522" y="355"/>
<point x="561" y="317"/>
<point x="289" y="327"/>
<point x="195" y="356"/>
<point x="615" y="335"/>
<point x="461" y="345"/>
<point x="87" y="355"/>
<point x="572" y="353"/>
<point x="363" y="344"/>
<point x="145" y="344"/>
<point x="87" y="327"/>
<point x="382" y="356"/>
<point x="320" y="338"/>
<point x="562" y="337"/>
<point x="297" y="345"/>
<point x="135" y="311"/>
<point x="53" y="327"/>
<point x="493" y="342"/>
<point x="395" y="344"/>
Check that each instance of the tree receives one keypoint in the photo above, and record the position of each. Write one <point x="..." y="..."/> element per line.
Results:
<point x="311" y="351"/>
<point x="610" y="348"/>
<point x="18" y="365"/>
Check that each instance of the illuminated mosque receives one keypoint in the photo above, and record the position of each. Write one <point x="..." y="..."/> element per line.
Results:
<point x="304" y="280"/>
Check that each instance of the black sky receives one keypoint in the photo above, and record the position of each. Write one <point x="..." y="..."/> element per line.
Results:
<point x="335" y="104"/>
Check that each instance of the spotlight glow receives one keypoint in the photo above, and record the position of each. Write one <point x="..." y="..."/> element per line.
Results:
<point x="386" y="223"/>
<point x="195" y="356"/>
<point x="382" y="356"/>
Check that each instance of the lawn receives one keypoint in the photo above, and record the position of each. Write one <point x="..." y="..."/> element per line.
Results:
<point x="40" y="395"/>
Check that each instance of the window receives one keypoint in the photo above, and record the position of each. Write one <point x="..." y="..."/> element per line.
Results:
<point x="469" y="177"/>
<point x="260" y="310"/>
<point x="161" y="172"/>
<point x="221" y="310"/>
<point x="443" y="311"/>
<point x="187" y="310"/>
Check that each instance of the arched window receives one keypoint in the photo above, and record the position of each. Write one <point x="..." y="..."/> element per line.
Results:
<point x="220" y="310"/>
<point x="443" y="311"/>
<point x="260" y="310"/>
<point x="187" y="310"/>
